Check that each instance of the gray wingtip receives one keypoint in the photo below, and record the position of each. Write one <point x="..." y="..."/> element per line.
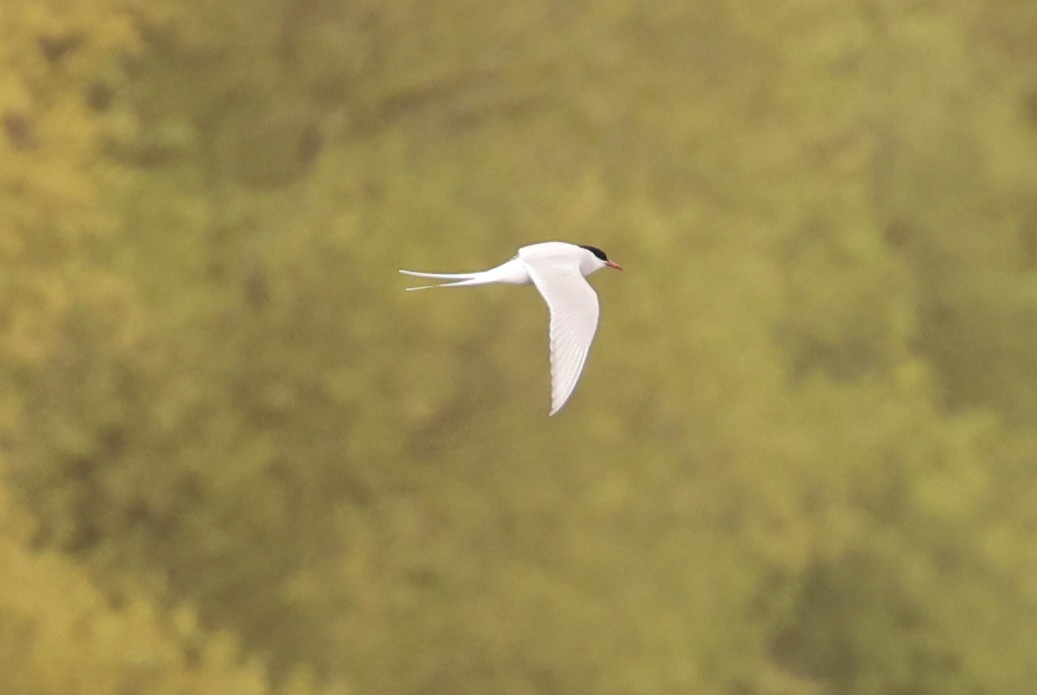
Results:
<point x="555" y="407"/>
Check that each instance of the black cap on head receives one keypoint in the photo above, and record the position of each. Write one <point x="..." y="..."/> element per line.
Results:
<point x="596" y="251"/>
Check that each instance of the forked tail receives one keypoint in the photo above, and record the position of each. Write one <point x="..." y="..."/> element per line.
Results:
<point x="462" y="278"/>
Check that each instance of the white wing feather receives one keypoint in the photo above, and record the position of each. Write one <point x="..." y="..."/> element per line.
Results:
<point x="574" y="319"/>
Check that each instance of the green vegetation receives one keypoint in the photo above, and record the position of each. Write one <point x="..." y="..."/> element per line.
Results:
<point x="235" y="457"/>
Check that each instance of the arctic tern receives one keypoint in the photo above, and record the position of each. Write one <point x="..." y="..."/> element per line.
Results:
<point x="559" y="271"/>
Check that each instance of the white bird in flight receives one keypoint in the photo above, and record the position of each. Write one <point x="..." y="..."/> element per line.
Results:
<point x="558" y="269"/>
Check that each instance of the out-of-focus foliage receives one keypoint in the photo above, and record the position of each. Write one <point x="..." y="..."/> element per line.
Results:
<point x="802" y="459"/>
<point x="60" y="634"/>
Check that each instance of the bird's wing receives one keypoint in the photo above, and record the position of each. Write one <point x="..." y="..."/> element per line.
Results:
<point x="574" y="319"/>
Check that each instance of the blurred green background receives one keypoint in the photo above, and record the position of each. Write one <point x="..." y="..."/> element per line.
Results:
<point x="236" y="457"/>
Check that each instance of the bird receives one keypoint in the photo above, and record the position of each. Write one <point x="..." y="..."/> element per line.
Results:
<point x="559" y="270"/>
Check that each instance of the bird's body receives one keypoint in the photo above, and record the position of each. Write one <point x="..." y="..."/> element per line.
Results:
<point x="559" y="271"/>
